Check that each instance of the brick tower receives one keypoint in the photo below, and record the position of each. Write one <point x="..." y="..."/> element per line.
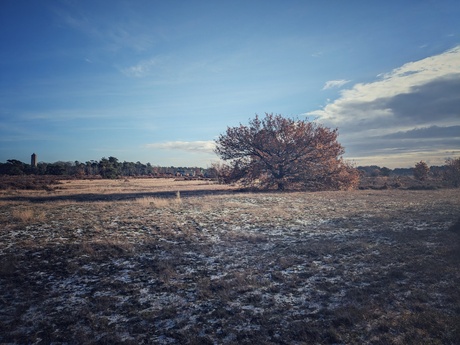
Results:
<point x="33" y="160"/>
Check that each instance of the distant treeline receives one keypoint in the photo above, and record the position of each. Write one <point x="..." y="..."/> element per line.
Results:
<point x="112" y="168"/>
<point x="374" y="171"/>
<point x="105" y="168"/>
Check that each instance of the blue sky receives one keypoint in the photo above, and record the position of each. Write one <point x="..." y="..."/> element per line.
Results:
<point x="158" y="81"/>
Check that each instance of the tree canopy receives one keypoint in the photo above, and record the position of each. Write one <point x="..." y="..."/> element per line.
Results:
<point x="421" y="171"/>
<point x="285" y="153"/>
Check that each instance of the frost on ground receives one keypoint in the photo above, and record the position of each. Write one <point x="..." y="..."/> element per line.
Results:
<point x="361" y="267"/>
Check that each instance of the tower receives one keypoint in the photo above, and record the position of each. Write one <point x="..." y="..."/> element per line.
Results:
<point x="33" y="160"/>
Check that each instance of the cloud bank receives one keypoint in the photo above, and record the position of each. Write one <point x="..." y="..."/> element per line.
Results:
<point x="412" y="112"/>
<point x="188" y="146"/>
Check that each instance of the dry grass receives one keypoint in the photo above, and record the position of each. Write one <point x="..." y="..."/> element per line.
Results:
<point x="141" y="263"/>
<point x="27" y="215"/>
<point x="136" y="186"/>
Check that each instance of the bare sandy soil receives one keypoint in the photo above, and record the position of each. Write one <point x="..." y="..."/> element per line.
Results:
<point x="136" y="262"/>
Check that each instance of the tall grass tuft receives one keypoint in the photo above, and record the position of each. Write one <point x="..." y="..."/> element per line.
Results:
<point x="160" y="202"/>
<point x="23" y="215"/>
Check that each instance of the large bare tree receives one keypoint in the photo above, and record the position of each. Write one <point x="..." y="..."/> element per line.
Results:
<point x="282" y="153"/>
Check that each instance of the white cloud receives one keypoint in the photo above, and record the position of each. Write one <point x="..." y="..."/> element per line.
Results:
<point x="189" y="146"/>
<point x="335" y="83"/>
<point x="377" y="119"/>
<point x="362" y="101"/>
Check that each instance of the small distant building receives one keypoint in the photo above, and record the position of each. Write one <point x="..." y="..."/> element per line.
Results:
<point x="33" y="160"/>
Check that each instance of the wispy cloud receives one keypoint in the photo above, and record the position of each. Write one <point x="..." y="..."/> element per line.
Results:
<point x="335" y="83"/>
<point x="142" y="69"/>
<point x="189" y="146"/>
<point x="115" y="34"/>
<point x="417" y="100"/>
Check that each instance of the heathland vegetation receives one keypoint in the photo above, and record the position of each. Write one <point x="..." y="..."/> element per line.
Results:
<point x="175" y="261"/>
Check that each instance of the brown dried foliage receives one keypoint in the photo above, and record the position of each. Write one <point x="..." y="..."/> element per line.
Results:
<point x="282" y="153"/>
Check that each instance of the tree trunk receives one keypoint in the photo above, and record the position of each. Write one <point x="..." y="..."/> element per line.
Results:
<point x="279" y="177"/>
<point x="280" y="185"/>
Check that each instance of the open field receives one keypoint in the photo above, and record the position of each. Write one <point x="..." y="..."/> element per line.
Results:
<point x="188" y="262"/>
